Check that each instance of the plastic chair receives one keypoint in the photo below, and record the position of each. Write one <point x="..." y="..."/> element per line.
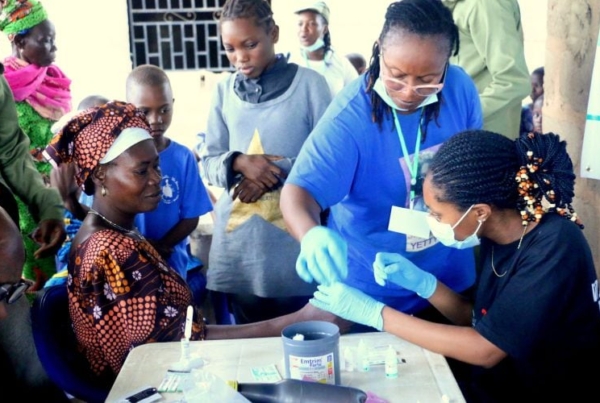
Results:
<point x="57" y="347"/>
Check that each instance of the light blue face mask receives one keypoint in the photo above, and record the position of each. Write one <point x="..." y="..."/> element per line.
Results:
<point x="319" y="43"/>
<point x="445" y="233"/>
<point x="380" y="89"/>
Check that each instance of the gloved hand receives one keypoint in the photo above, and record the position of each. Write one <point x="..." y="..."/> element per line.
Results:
<point x="349" y="303"/>
<point x="323" y="256"/>
<point x="401" y="271"/>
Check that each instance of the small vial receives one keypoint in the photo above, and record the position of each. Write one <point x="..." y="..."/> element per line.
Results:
<point x="348" y="359"/>
<point x="185" y="349"/>
<point x="362" y="353"/>
<point x="391" y="363"/>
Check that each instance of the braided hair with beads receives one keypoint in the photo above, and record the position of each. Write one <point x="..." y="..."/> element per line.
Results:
<point x="425" y="18"/>
<point x="546" y="173"/>
<point x="533" y="174"/>
<point x="259" y="10"/>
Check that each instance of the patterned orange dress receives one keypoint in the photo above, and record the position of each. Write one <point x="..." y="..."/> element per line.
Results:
<point x="123" y="294"/>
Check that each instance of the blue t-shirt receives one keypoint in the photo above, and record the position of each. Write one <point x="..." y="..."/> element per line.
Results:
<point x="358" y="170"/>
<point x="184" y="196"/>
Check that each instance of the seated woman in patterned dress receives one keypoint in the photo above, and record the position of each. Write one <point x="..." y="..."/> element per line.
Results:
<point x="122" y="293"/>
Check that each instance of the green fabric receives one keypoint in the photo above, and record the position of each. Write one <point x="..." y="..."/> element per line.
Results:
<point x="17" y="169"/>
<point x="18" y="15"/>
<point x="34" y="268"/>
<point x="492" y="53"/>
<point x="37" y="128"/>
<point x="19" y="173"/>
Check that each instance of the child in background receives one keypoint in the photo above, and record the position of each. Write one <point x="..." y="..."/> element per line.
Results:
<point x="537" y="83"/>
<point x="358" y="61"/>
<point x="537" y="114"/>
<point x="259" y="119"/>
<point x="184" y="197"/>
<point x="537" y="91"/>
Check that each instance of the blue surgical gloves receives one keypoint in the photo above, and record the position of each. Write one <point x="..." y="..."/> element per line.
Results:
<point x="323" y="256"/>
<point x="349" y="303"/>
<point x="401" y="271"/>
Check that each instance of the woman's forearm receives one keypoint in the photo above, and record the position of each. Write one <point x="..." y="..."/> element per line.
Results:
<point x="300" y="210"/>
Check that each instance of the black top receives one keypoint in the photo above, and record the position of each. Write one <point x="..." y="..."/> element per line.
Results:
<point x="544" y="313"/>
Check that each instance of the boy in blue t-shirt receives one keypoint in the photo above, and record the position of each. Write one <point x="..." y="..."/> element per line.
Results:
<point x="184" y="197"/>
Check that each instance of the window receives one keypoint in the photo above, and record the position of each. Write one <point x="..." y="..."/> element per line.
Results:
<point x="176" y="34"/>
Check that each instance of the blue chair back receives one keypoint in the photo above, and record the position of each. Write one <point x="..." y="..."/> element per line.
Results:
<point x="57" y="347"/>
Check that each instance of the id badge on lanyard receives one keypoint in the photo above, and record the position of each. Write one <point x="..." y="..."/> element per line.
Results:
<point x="407" y="220"/>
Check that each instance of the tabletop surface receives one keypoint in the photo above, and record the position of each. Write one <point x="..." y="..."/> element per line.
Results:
<point x="423" y="376"/>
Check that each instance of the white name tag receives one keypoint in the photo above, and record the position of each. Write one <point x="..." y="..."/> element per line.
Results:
<point x="409" y="222"/>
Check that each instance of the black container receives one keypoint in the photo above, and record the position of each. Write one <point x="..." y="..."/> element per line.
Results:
<point x="295" y="391"/>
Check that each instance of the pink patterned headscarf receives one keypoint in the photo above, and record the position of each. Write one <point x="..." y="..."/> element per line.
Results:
<point x="46" y="89"/>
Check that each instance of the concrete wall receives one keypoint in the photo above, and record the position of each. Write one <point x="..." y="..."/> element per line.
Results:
<point x="570" y="50"/>
<point x="534" y="16"/>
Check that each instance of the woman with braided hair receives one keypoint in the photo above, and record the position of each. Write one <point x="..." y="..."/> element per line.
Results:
<point x="532" y="332"/>
<point x="259" y="119"/>
<point x="365" y="159"/>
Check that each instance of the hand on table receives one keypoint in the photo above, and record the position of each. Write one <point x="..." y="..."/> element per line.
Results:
<point x="349" y="303"/>
<point x="323" y="256"/>
<point x="401" y="271"/>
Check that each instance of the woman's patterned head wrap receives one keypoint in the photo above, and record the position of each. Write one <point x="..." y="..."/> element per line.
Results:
<point x="18" y="16"/>
<point x="87" y="137"/>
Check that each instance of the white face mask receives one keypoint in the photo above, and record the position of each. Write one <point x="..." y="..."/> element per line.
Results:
<point x="319" y="43"/>
<point x="445" y="233"/>
<point x="380" y="89"/>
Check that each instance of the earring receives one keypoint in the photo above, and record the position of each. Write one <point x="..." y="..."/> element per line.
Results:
<point x="103" y="191"/>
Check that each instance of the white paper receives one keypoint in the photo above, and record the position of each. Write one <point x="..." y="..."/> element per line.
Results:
<point x="590" y="163"/>
<point x="409" y="222"/>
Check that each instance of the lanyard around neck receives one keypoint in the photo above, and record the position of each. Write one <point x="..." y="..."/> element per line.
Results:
<point x="414" y="167"/>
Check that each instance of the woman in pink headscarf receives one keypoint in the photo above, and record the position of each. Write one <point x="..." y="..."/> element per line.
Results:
<point x="42" y="94"/>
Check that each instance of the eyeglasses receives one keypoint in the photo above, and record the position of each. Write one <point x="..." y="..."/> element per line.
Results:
<point x="394" y="85"/>
<point x="12" y="292"/>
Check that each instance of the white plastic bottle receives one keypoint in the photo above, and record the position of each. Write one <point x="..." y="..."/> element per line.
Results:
<point x="362" y="359"/>
<point x="391" y="363"/>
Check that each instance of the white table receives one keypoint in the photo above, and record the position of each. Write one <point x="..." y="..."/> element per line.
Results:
<point x="423" y="377"/>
